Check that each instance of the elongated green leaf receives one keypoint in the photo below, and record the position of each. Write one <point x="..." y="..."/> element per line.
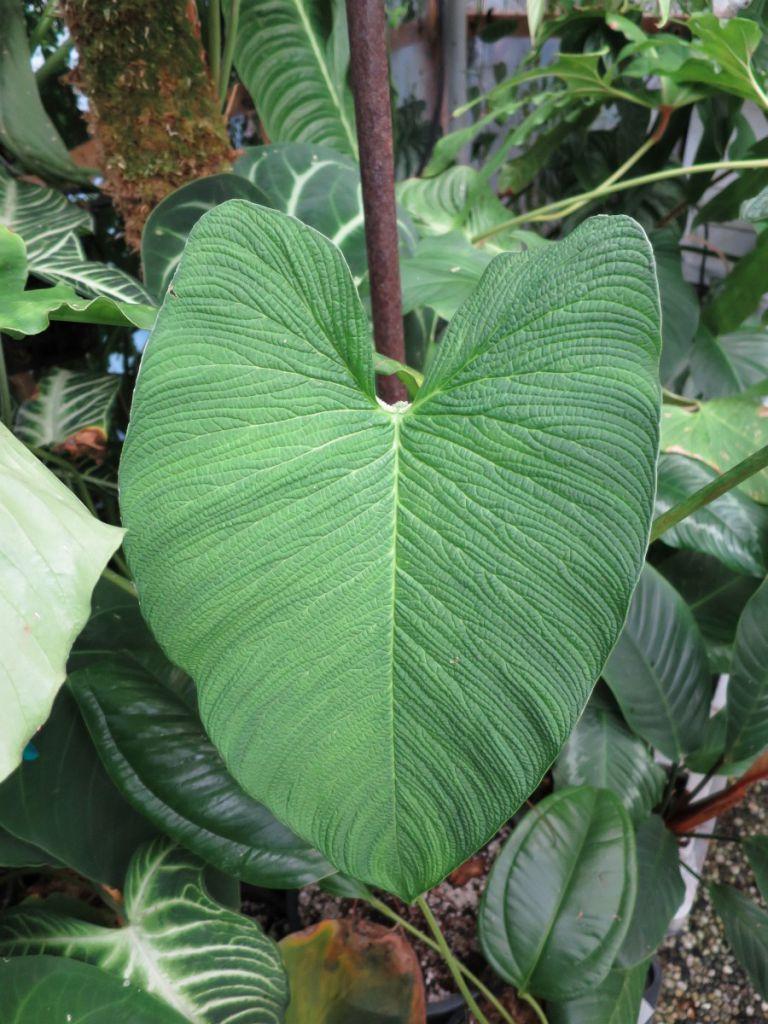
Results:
<point x="349" y="970"/>
<point x="679" y="306"/>
<point x="616" y="1000"/>
<point x="602" y="752"/>
<point x="721" y="433"/>
<point x="316" y="557"/>
<point x="442" y="273"/>
<point x="660" y="891"/>
<point x="322" y="188"/>
<point x="50" y="226"/>
<point x="746" y="929"/>
<point x="730" y="364"/>
<point x="63" y="802"/>
<point x="747" y="704"/>
<point x="66" y="403"/>
<point x="158" y="755"/>
<point x="25" y="128"/>
<point x="756" y="849"/>
<point x="658" y="670"/>
<point x="733" y="528"/>
<point x="207" y="963"/>
<point x="40" y="988"/>
<point x="169" y="224"/>
<point x="741" y="291"/>
<point x="295" y="72"/>
<point x="52" y="551"/>
<point x="560" y="895"/>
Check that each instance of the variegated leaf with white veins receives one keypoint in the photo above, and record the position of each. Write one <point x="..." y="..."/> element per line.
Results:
<point x="65" y="404"/>
<point x="210" y="964"/>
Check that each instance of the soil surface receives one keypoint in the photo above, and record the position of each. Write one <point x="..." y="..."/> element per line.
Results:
<point x="701" y="980"/>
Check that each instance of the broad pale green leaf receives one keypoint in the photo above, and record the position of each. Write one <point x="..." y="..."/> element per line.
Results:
<point x="716" y="596"/>
<point x="535" y="9"/>
<point x="602" y="752"/>
<point x="158" y="755"/>
<point x="52" y="552"/>
<point x="741" y="291"/>
<point x="756" y="208"/>
<point x="660" y="891"/>
<point x="679" y="306"/>
<point x="67" y="403"/>
<point x="442" y="273"/>
<point x="322" y="188"/>
<point x="733" y="528"/>
<point x="746" y="929"/>
<point x="50" y="226"/>
<point x="63" y="802"/>
<point x="25" y="128"/>
<point x="756" y="849"/>
<point x="169" y="224"/>
<point x="560" y="895"/>
<point x="747" y="702"/>
<point x="295" y="69"/>
<point x="208" y="964"/>
<point x="729" y="364"/>
<point x="721" y="433"/>
<point x="723" y="51"/>
<point x="658" y="670"/>
<point x="351" y="970"/>
<point x="616" y="1000"/>
<point x="327" y="569"/>
<point x="40" y="988"/>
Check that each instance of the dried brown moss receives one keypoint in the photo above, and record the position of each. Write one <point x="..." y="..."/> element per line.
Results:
<point x="153" y="108"/>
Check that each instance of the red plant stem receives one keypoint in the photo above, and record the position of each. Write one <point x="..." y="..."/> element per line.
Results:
<point x="370" y="82"/>
<point x="704" y="810"/>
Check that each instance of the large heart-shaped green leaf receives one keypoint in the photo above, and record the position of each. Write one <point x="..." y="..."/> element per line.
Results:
<point x="62" y="801"/>
<point x="156" y="751"/>
<point x="560" y="894"/>
<point x="660" y="891"/>
<point x="602" y="752"/>
<point x="35" y="988"/>
<point x="747" y="705"/>
<point x="733" y="528"/>
<point x="52" y="552"/>
<point x="616" y="1000"/>
<point x="367" y="596"/>
<point x="293" y="57"/>
<point x="658" y="670"/>
<point x="207" y="963"/>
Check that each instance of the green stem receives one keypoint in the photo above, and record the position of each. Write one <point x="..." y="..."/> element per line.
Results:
<point x="6" y="404"/>
<point x="229" y="49"/>
<point x="670" y="398"/>
<point x="214" y="41"/>
<point x="724" y="483"/>
<point x="553" y="211"/>
<point x="536" y="1006"/>
<point x="119" y="581"/>
<point x="44" y="22"/>
<point x="55" y="61"/>
<point x="453" y="965"/>
<point x="423" y="937"/>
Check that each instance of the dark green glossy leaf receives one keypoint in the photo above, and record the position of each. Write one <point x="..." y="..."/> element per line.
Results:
<point x="756" y="849"/>
<point x="270" y="510"/>
<point x="169" y="224"/>
<point x="602" y="752"/>
<point x="560" y="895"/>
<point x="616" y="1000"/>
<point x="64" y="802"/>
<point x="679" y="306"/>
<point x="727" y="202"/>
<point x="733" y="528"/>
<point x="747" y="701"/>
<point x="746" y="929"/>
<point x="158" y="755"/>
<point x="349" y="971"/>
<point x="16" y="853"/>
<point x="660" y="891"/>
<point x="658" y="670"/>
<point x="44" y="989"/>
<point x="740" y="293"/>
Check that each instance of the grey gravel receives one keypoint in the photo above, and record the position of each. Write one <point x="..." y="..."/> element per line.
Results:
<point x="701" y="980"/>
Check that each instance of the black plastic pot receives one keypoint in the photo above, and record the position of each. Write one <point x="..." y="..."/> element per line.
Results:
<point x="447" y="1011"/>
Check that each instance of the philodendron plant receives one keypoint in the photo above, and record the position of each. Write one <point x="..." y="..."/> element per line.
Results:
<point x="393" y="615"/>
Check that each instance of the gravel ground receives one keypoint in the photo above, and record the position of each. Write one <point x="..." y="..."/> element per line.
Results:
<point x="701" y="980"/>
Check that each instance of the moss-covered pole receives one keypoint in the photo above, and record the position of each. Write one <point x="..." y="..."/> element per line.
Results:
<point x="153" y="106"/>
<point x="370" y="83"/>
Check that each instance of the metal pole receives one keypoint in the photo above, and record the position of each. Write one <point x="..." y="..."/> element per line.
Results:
<point x="370" y="83"/>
